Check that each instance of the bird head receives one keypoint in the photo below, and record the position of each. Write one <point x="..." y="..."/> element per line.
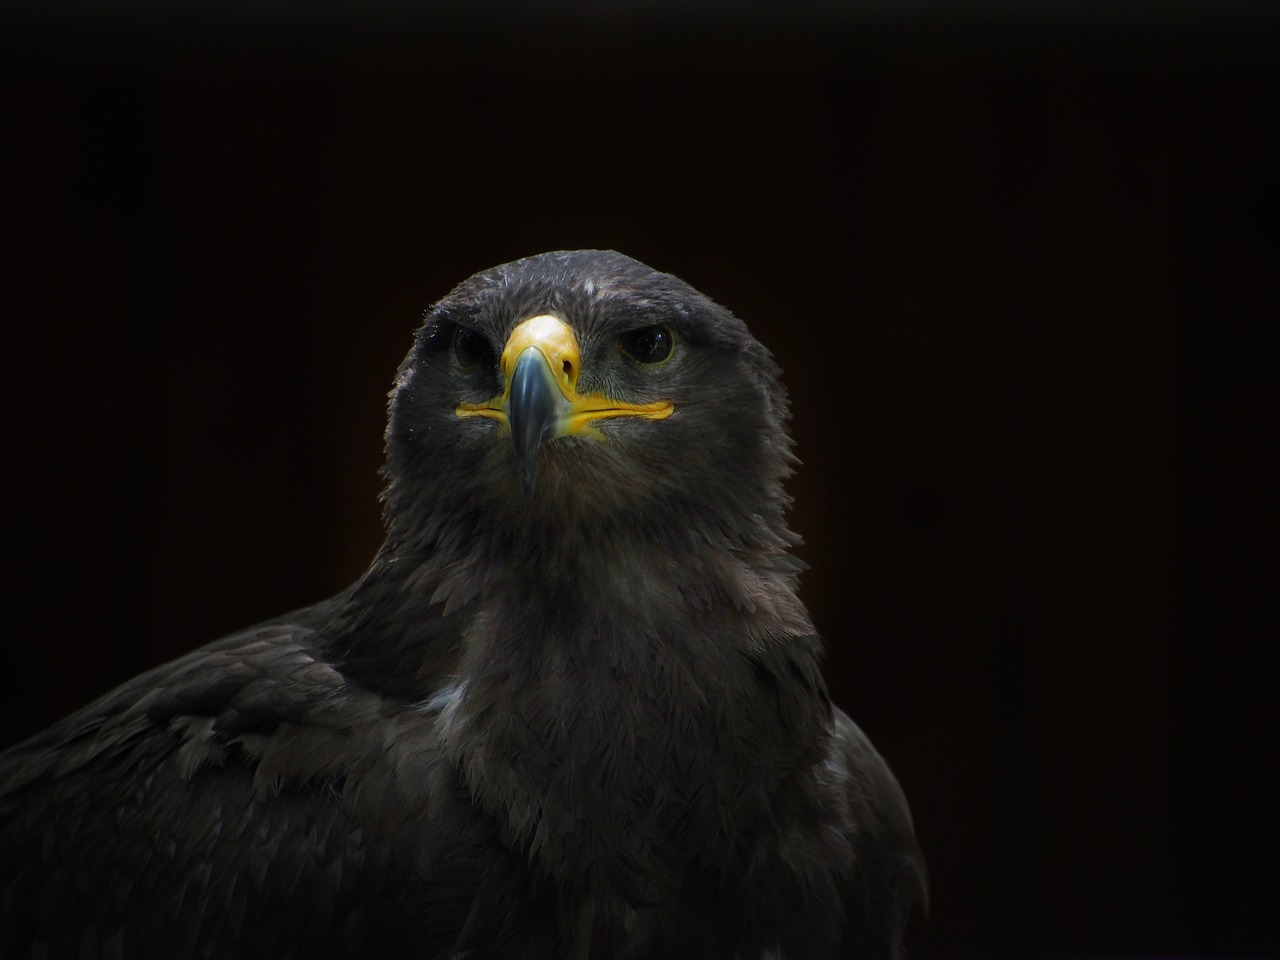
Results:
<point x="585" y="385"/>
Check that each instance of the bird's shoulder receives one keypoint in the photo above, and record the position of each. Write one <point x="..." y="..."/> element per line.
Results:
<point x="270" y="701"/>
<point x="886" y="875"/>
<point x="245" y="780"/>
<point x="250" y="682"/>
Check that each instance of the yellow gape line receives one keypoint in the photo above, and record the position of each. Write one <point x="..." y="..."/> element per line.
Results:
<point x="553" y="343"/>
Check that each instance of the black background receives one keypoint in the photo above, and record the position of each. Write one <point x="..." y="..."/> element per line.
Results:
<point x="1016" y="266"/>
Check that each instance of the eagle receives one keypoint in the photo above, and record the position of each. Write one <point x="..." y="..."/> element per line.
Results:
<point x="574" y="707"/>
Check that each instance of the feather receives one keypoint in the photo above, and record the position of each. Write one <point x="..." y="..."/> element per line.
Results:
<point x="578" y="717"/>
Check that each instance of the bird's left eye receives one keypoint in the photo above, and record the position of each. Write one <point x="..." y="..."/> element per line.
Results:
<point x="649" y="344"/>
<point x="470" y="349"/>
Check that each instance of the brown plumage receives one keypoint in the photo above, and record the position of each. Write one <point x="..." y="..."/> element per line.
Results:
<point x="572" y="709"/>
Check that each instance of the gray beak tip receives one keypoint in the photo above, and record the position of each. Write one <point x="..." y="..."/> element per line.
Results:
<point x="532" y="410"/>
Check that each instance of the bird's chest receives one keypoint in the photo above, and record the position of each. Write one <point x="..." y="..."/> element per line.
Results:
<point x="622" y="774"/>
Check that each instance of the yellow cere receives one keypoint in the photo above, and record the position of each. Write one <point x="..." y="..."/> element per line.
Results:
<point x="555" y="340"/>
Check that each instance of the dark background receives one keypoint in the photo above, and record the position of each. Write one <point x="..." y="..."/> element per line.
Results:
<point x="1015" y="265"/>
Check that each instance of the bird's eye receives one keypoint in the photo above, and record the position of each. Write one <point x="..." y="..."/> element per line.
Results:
<point x="470" y="349"/>
<point x="649" y="344"/>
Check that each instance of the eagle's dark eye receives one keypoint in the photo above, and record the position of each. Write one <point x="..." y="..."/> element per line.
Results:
<point x="470" y="349"/>
<point x="649" y="344"/>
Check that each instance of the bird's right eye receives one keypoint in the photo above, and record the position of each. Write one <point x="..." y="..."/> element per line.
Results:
<point x="470" y="349"/>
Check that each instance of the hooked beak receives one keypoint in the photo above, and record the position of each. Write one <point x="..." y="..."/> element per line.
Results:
<point x="540" y="399"/>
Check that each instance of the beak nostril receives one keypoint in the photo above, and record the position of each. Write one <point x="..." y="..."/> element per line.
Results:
<point x="568" y="368"/>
